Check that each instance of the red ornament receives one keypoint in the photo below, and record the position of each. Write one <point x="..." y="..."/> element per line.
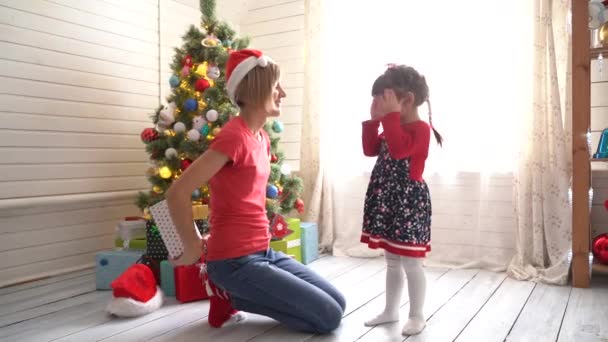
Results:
<point x="600" y="248"/>
<point x="148" y="135"/>
<point x="274" y="158"/>
<point x="280" y="192"/>
<point x="299" y="205"/>
<point x="201" y="85"/>
<point x="279" y="228"/>
<point x="187" y="61"/>
<point x="186" y="164"/>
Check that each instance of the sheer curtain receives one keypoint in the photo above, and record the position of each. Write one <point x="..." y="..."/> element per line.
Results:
<point x="477" y="58"/>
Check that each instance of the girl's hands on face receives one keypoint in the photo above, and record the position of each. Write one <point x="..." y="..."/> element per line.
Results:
<point x="374" y="110"/>
<point x="389" y="103"/>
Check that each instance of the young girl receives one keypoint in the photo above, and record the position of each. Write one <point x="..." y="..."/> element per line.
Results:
<point x="244" y="273"/>
<point x="397" y="212"/>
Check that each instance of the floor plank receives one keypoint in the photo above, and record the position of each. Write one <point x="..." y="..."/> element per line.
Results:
<point x="190" y="313"/>
<point x="42" y="295"/>
<point x="547" y="304"/>
<point x="585" y="319"/>
<point x="55" y="327"/>
<point x="356" y="286"/>
<point x="49" y="309"/>
<point x="439" y="292"/>
<point x="353" y="327"/>
<point x="462" y="305"/>
<point x="163" y="321"/>
<point x="494" y="321"/>
<point x="116" y="325"/>
<point x="451" y="319"/>
<point x="262" y="326"/>
<point x="46" y="281"/>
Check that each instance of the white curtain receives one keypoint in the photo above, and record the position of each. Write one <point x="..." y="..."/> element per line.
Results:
<point x="543" y="177"/>
<point x="477" y="57"/>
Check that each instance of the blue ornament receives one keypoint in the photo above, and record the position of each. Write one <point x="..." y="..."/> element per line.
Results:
<point x="277" y="126"/>
<point x="272" y="191"/>
<point x="205" y="130"/>
<point x="174" y="81"/>
<point x="190" y="105"/>
<point x="196" y="194"/>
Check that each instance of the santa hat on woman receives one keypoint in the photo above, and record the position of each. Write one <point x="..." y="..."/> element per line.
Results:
<point x="239" y="64"/>
<point x="135" y="293"/>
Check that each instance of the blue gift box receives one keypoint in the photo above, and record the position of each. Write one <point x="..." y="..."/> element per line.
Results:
<point x="310" y="242"/>
<point x="167" y="279"/>
<point x="111" y="264"/>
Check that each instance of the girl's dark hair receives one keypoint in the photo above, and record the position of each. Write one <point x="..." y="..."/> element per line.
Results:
<point x="403" y="79"/>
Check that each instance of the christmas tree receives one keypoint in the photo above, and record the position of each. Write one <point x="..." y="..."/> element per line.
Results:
<point x="197" y="109"/>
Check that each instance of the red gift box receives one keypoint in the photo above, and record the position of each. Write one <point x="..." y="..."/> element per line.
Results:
<point x="190" y="283"/>
<point x="190" y="280"/>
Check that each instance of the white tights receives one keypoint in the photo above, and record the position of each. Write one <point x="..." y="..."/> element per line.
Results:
<point x="416" y="284"/>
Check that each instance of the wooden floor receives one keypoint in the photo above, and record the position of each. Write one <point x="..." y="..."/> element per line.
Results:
<point x="462" y="305"/>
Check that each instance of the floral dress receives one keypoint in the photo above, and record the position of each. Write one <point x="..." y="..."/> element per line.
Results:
<point x="397" y="211"/>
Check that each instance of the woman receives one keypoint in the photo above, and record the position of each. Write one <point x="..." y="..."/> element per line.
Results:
<point x="245" y="274"/>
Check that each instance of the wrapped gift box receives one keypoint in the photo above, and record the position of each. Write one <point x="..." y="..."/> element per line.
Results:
<point x="135" y="244"/>
<point x="167" y="278"/>
<point x="310" y="242"/>
<point x="131" y="228"/>
<point x="279" y="245"/>
<point x="111" y="264"/>
<point x="294" y="242"/>
<point x="155" y="247"/>
<point x="200" y="211"/>
<point x="189" y="283"/>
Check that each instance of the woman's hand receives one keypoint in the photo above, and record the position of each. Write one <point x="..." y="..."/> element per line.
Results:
<point x="192" y="254"/>
<point x="388" y="103"/>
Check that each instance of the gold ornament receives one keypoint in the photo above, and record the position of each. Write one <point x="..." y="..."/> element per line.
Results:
<point x="157" y="189"/>
<point x="146" y="214"/>
<point x="210" y="137"/>
<point x="151" y="172"/>
<point x="202" y="104"/>
<point x="216" y="131"/>
<point x="165" y="172"/>
<point x="201" y="70"/>
<point x="205" y="188"/>
<point x="170" y="133"/>
<point x="210" y="41"/>
<point x="604" y="34"/>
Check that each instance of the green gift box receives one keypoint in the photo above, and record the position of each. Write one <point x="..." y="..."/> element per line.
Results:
<point x="279" y="245"/>
<point x="136" y="244"/>
<point x="294" y="240"/>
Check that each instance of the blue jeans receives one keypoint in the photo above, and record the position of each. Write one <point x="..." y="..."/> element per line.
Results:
<point x="272" y="284"/>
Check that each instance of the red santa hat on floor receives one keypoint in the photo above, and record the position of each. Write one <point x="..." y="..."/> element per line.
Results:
<point x="239" y="64"/>
<point x="135" y="293"/>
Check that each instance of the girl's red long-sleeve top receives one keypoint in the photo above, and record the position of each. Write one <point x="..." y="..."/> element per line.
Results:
<point x="409" y="140"/>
